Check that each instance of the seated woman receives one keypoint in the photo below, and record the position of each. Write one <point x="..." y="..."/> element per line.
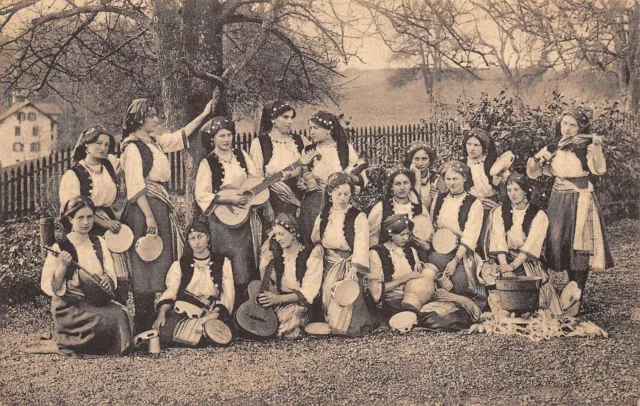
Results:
<point x="419" y="159"/>
<point x="297" y="285"/>
<point x="399" y="186"/>
<point x="81" y="281"/>
<point x="399" y="263"/>
<point x="342" y="233"/>
<point x="201" y="279"/>
<point x="517" y="233"/>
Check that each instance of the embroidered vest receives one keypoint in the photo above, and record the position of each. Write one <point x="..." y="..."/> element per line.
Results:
<point x="217" y="170"/>
<point x="463" y="213"/>
<point x="266" y="145"/>
<point x="67" y="245"/>
<point x="301" y="265"/>
<point x="187" y="265"/>
<point x="145" y="154"/>
<point x="529" y="215"/>
<point x="84" y="177"/>
<point x="387" y="211"/>
<point x="349" y="229"/>
<point x="387" y="263"/>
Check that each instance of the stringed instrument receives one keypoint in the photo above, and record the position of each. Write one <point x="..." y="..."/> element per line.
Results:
<point x="257" y="190"/>
<point x="251" y="317"/>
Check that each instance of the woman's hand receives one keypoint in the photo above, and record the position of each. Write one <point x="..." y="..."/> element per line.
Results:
<point x="207" y="109"/>
<point x="422" y="243"/>
<point x="310" y="181"/>
<point x="113" y="226"/>
<point x="152" y="226"/>
<point x="160" y="321"/>
<point x="106" y="283"/>
<point x="232" y="197"/>
<point x="450" y="269"/>
<point x="496" y="180"/>
<point x="506" y="270"/>
<point x="413" y="275"/>
<point x="596" y="140"/>
<point x="416" y="171"/>
<point x="268" y="299"/>
<point x="65" y="259"/>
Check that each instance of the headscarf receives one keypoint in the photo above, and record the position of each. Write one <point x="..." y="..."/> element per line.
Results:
<point x="397" y="223"/>
<point x="415" y="147"/>
<point x="331" y="122"/>
<point x="89" y="136"/>
<point x="271" y="111"/>
<point x="198" y="226"/>
<point x="136" y="113"/>
<point x="488" y="146"/>
<point x="289" y="223"/>
<point x="395" y="171"/>
<point x="521" y="181"/>
<point x="211" y="128"/>
<point x="458" y="167"/>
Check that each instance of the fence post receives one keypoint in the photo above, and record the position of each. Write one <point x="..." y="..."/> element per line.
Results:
<point x="30" y="191"/>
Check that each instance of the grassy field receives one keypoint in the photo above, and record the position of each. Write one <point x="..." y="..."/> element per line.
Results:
<point x="384" y="368"/>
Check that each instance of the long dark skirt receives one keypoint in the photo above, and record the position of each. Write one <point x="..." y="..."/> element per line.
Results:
<point x="87" y="329"/>
<point x="560" y="254"/>
<point x="309" y="210"/>
<point x="459" y="277"/>
<point x="237" y="245"/>
<point x="150" y="276"/>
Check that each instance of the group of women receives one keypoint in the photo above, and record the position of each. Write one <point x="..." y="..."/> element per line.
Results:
<point x="326" y="261"/>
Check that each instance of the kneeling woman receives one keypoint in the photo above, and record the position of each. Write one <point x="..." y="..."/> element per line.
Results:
<point x="342" y="232"/>
<point x="517" y="233"/>
<point x="399" y="263"/>
<point x="297" y="285"/>
<point x="85" y="319"/>
<point x="200" y="279"/>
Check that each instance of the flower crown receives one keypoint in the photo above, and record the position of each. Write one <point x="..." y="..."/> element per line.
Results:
<point x="289" y="227"/>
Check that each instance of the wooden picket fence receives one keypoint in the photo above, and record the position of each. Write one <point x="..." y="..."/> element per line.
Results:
<point x="28" y="187"/>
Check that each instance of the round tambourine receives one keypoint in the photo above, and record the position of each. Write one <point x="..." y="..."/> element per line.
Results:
<point x="503" y="163"/>
<point x="346" y="291"/>
<point x="321" y="329"/>
<point x="217" y="331"/>
<point x="187" y="309"/>
<point x="121" y="241"/>
<point x="149" y="247"/>
<point x="421" y="227"/>
<point x="444" y="241"/>
<point x="489" y="273"/>
<point x="403" y="322"/>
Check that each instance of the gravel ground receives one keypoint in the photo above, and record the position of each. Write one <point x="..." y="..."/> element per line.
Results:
<point x="385" y="368"/>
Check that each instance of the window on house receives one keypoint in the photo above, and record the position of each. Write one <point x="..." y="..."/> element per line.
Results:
<point x="20" y="116"/>
<point x="36" y="131"/>
<point x="31" y="116"/>
<point x="17" y="147"/>
<point x="17" y="132"/>
<point x="35" y="146"/>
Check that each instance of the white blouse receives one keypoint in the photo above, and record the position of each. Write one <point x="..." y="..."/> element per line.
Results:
<point x="311" y="281"/>
<point x="87" y="259"/>
<point x="481" y="183"/>
<point x="234" y="176"/>
<point x="375" y="219"/>
<point x="566" y="164"/>
<point x="400" y="263"/>
<point x="448" y="218"/>
<point x="161" y="169"/>
<point x="201" y="285"/>
<point x="284" y="154"/>
<point x="515" y="239"/>
<point x="104" y="190"/>
<point x="334" y="237"/>
<point x="330" y="162"/>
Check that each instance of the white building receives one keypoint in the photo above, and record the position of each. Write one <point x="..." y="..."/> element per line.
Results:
<point x="28" y="130"/>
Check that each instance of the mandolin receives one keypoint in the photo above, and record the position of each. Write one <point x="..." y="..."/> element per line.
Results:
<point x="251" y="317"/>
<point x="257" y="190"/>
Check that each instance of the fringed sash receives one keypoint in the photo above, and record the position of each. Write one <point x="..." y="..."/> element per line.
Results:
<point x="585" y="213"/>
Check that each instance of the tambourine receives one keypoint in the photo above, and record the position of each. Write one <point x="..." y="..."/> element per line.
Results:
<point x="94" y="293"/>
<point x="403" y="322"/>
<point x="503" y="163"/>
<point x="489" y="273"/>
<point x="345" y="292"/>
<point x="217" y="331"/>
<point x="187" y="309"/>
<point x="121" y="241"/>
<point x="444" y="241"/>
<point x="149" y="247"/>
<point x="421" y="227"/>
<point x="321" y="329"/>
<point x="570" y="296"/>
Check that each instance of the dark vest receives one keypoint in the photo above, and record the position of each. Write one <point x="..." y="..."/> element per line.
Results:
<point x="349" y="225"/>
<point x="463" y="213"/>
<point x="187" y="264"/>
<point x="84" y="177"/>
<point x="266" y="145"/>
<point x="145" y="154"/>
<point x="387" y="263"/>
<point x="66" y="245"/>
<point x="529" y="215"/>
<point x="217" y="170"/>
<point x="387" y="211"/>
<point x="301" y="266"/>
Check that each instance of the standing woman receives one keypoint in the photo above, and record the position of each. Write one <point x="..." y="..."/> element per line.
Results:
<point x="400" y="185"/>
<point x="85" y="320"/>
<point x="330" y="140"/>
<point x="219" y="176"/>
<point x="342" y="232"/>
<point x="420" y="157"/>
<point x="577" y="240"/>
<point x="517" y="232"/>
<point x="296" y="284"/>
<point x="148" y="209"/>
<point x="275" y="149"/>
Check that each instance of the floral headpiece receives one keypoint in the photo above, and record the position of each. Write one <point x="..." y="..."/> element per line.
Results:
<point x="396" y="223"/>
<point x="324" y="119"/>
<point x="289" y="223"/>
<point x="278" y="107"/>
<point x="216" y="124"/>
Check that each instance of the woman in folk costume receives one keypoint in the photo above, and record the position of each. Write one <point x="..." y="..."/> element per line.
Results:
<point x="342" y="233"/>
<point x="517" y="232"/>
<point x="336" y="155"/>
<point x="420" y="157"/>
<point x="398" y="262"/>
<point x="219" y="176"/>
<point x="297" y="285"/>
<point x="94" y="174"/>
<point x="576" y="240"/>
<point x="400" y="185"/>
<point x="199" y="278"/>
<point x="86" y="320"/>
<point x="273" y="150"/>
<point x="148" y="209"/>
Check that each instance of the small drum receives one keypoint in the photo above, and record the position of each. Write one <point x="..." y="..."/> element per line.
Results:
<point x="154" y="340"/>
<point x="403" y="322"/>
<point x="321" y="329"/>
<point x="444" y="241"/>
<point x="217" y="331"/>
<point x="121" y="241"/>
<point x="149" y="247"/>
<point x="188" y="332"/>
<point x="187" y="309"/>
<point x="489" y="273"/>
<point x="501" y="164"/>
<point x="345" y="292"/>
<point x="422" y="227"/>
<point x="94" y="293"/>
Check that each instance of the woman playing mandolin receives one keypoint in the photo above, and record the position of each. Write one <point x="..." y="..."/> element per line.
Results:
<point x="577" y="240"/>
<point x="219" y="177"/>
<point x="297" y="285"/>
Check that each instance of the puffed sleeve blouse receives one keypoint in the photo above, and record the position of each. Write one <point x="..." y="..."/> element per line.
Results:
<point x="104" y="191"/>
<point x="448" y="218"/>
<point x="501" y="240"/>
